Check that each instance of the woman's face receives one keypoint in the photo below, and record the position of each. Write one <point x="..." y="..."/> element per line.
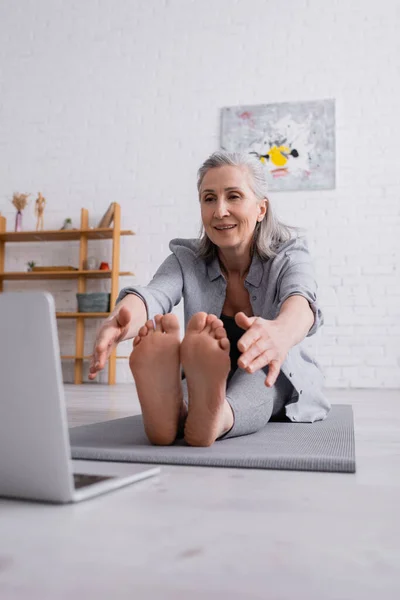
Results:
<point x="229" y="208"/>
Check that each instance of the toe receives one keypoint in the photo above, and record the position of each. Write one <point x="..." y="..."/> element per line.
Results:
<point x="211" y="319"/>
<point x="216" y="323"/>
<point x="219" y="333"/>
<point x="198" y="322"/>
<point x="224" y="344"/>
<point x="150" y="325"/>
<point x="136" y="341"/>
<point x="157" y="320"/>
<point x="170" y="323"/>
<point x="143" y="331"/>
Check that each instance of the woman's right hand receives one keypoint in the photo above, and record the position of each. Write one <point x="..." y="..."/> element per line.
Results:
<point x="109" y="335"/>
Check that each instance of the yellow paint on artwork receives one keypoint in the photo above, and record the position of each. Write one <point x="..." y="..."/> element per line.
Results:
<point x="277" y="157"/>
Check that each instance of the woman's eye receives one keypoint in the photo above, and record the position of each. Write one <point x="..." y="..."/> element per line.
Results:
<point x="208" y="198"/>
<point x="234" y="197"/>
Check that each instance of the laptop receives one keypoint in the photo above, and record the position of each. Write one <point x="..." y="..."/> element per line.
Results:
<point x="35" y="451"/>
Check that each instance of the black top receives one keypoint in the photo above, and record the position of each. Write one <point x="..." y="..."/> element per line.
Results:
<point x="234" y="333"/>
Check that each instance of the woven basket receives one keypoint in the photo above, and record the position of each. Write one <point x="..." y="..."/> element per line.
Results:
<point x="94" y="302"/>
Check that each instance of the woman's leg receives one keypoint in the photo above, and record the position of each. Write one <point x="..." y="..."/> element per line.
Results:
<point x="252" y="402"/>
<point x="206" y="363"/>
<point x="155" y="366"/>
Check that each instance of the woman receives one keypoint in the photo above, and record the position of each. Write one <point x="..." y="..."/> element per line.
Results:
<point x="249" y="299"/>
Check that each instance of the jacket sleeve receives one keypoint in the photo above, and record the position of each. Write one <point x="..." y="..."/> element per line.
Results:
<point x="163" y="292"/>
<point x="297" y="279"/>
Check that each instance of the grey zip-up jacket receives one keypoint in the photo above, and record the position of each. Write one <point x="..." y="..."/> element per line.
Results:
<point x="269" y="283"/>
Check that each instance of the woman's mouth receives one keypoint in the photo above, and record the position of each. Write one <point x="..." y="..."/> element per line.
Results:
<point x="224" y="227"/>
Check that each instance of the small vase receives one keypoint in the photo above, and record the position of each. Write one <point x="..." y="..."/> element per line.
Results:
<point x="18" y="221"/>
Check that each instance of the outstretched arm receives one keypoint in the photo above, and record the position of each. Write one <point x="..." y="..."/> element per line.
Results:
<point x="267" y="342"/>
<point x="134" y="306"/>
<point x="295" y="319"/>
<point x="123" y="324"/>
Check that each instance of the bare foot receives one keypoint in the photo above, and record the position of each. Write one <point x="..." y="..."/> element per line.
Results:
<point x="155" y="366"/>
<point x="205" y="360"/>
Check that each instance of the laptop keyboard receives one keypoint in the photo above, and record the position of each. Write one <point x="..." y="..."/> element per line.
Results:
<point x="83" y="480"/>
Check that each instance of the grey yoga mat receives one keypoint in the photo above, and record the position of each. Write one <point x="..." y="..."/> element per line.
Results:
<point x="321" y="446"/>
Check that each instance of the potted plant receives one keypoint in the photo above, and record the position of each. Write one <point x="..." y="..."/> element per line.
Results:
<point x="67" y="224"/>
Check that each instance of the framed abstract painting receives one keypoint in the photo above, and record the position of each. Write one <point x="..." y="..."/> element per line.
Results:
<point x="295" y="141"/>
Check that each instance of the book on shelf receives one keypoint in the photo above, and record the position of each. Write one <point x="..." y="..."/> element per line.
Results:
<point x="107" y="218"/>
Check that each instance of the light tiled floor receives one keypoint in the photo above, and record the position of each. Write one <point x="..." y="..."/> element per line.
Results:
<point x="196" y="532"/>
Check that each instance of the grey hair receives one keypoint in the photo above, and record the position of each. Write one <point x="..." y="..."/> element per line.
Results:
<point x="268" y="233"/>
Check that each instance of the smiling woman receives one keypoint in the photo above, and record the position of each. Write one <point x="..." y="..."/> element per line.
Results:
<point x="249" y="296"/>
<point x="244" y="193"/>
<point x="229" y="206"/>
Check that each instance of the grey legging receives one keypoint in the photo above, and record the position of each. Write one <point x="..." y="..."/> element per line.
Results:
<point x="252" y="403"/>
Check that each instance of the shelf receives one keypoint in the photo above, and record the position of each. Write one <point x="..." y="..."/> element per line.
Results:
<point x="85" y="315"/>
<point x="18" y="275"/>
<point x="78" y="273"/>
<point x="60" y="235"/>
<point x="71" y="357"/>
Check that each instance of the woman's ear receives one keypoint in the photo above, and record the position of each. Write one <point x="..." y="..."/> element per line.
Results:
<point x="263" y="206"/>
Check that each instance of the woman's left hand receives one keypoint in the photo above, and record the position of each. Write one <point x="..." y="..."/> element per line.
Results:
<point x="264" y="343"/>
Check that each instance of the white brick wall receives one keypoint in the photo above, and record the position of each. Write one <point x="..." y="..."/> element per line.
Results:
<point x="119" y="100"/>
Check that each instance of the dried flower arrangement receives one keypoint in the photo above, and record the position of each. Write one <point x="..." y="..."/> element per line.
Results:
<point x="20" y="201"/>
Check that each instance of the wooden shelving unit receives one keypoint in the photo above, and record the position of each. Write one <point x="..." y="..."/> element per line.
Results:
<point x="83" y="235"/>
<point x="15" y="275"/>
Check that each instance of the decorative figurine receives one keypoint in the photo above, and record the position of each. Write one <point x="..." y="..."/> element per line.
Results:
<point x="39" y="210"/>
<point x="19" y="201"/>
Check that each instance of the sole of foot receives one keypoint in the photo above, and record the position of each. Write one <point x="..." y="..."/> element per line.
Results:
<point x="155" y="366"/>
<point x="206" y="363"/>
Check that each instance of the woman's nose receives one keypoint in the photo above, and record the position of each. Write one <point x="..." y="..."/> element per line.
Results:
<point x="221" y="209"/>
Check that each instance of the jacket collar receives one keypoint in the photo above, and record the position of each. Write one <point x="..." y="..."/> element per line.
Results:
<point x="254" y="276"/>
